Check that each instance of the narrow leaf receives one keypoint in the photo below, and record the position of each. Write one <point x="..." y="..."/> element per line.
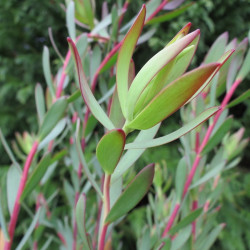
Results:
<point x="109" y="149"/>
<point x="124" y="57"/>
<point x="80" y="220"/>
<point x="87" y="94"/>
<point x="239" y="99"/>
<point x="181" y="238"/>
<point x="132" y="155"/>
<point x="244" y="70"/>
<point x="170" y="15"/>
<point x="40" y="103"/>
<point x="217" y="49"/>
<point x="176" y="134"/>
<point x="52" y="117"/>
<point x="153" y="66"/>
<point x="13" y="180"/>
<point x="180" y="178"/>
<point x="134" y="192"/>
<point x="89" y="13"/>
<point x="36" y="176"/>
<point x="186" y="221"/>
<point x="29" y="231"/>
<point x="172" y="97"/>
<point x="218" y="136"/>
<point x="70" y="20"/>
<point x="46" y="70"/>
<point x="2" y="220"/>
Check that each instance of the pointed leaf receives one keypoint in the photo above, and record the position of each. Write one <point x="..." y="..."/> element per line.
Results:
<point x="70" y="19"/>
<point x="109" y="149"/>
<point x="172" y="97"/>
<point x="124" y="57"/>
<point x="217" y="49"/>
<point x="153" y="66"/>
<point x="87" y="94"/>
<point x="46" y="71"/>
<point x="239" y="99"/>
<point x="29" y="231"/>
<point x="80" y="220"/>
<point x="170" y="15"/>
<point x="36" y="176"/>
<point x="218" y="136"/>
<point x="13" y="180"/>
<point x="244" y="70"/>
<point x="52" y="117"/>
<point x="186" y="221"/>
<point x="40" y="103"/>
<point x="180" y="178"/>
<point x="131" y="156"/>
<point x="176" y="134"/>
<point x="134" y="192"/>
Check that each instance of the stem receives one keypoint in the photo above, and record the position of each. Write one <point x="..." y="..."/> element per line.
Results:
<point x="74" y="224"/>
<point x="194" y="207"/>
<point x="17" y="204"/>
<point x="198" y="155"/>
<point x="171" y="220"/>
<point x="106" y="207"/>
<point x="158" y="9"/>
<point x="124" y="9"/>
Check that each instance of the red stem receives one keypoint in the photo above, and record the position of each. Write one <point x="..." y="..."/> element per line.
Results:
<point x="16" y="209"/>
<point x="106" y="194"/>
<point x="158" y="9"/>
<point x="198" y="155"/>
<point x="194" y="207"/>
<point x="171" y="220"/>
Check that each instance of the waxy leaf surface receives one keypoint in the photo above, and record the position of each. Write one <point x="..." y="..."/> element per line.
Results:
<point x="124" y="57"/>
<point x="152" y="67"/>
<point x="172" y="97"/>
<point x="174" y="135"/>
<point x="109" y="149"/>
<point x="52" y="117"/>
<point x="134" y="192"/>
<point x="86" y="92"/>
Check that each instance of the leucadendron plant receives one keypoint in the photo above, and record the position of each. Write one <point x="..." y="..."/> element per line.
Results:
<point x="78" y="173"/>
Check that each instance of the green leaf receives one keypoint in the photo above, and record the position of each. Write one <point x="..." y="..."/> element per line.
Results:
<point x="52" y="117"/>
<point x="8" y="150"/>
<point x="36" y="176"/>
<point x="174" y="135"/>
<point x="181" y="238"/>
<point x="172" y="97"/>
<point x="29" y="231"/>
<point x="40" y="103"/>
<point x="210" y="174"/>
<point x="210" y="238"/>
<point x="70" y="20"/>
<point x="218" y="136"/>
<point x="110" y="149"/>
<point x="244" y="70"/>
<point x="170" y="15"/>
<point x="152" y="67"/>
<point x="180" y="178"/>
<point x="186" y="221"/>
<point x="2" y="220"/>
<point x="53" y="134"/>
<point x="89" y="13"/>
<point x="84" y="163"/>
<point x="124" y="57"/>
<point x="87" y="94"/>
<point x="132" y="155"/>
<point x="134" y="192"/>
<point x="13" y="180"/>
<point x="82" y="45"/>
<point x="80" y="220"/>
<point x="217" y="49"/>
<point x="46" y="71"/>
<point x="239" y="99"/>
